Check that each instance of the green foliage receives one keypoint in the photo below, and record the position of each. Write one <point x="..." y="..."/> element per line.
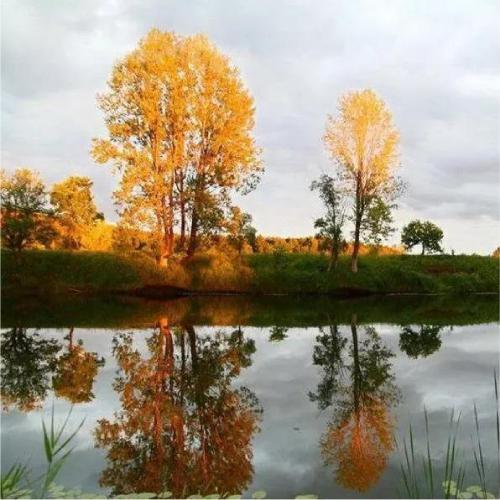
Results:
<point x="330" y="225"/>
<point x="24" y="202"/>
<point x="240" y="230"/>
<point x="424" y="233"/>
<point x="378" y="223"/>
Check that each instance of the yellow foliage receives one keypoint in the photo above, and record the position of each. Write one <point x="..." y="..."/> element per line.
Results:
<point x="98" y="237"/>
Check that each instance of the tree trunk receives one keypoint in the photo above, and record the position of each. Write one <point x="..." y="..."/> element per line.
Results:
<point x="355" y="247"/>
<point x="358" y="212"/>
<point x="193" y="236"/>
<point x="423" y="249"/>
<point x="182" y="206"/>
<point x="356" y="371"/>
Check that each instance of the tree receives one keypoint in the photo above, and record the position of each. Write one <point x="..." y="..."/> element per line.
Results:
<point x="330" y="226"/>
<point x="424" y="233"/>
<point x="74" y="206"/>
<point x="180" y="126"/>
<point x="378" y="225"/>
<point x="24" y="209"/>
<point x="240" y="229"/>
<point x="363" y="142"/>
<point x="496" y="252"/>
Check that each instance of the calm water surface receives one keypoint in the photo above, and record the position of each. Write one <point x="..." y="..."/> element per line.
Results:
<point x="290" y="396"/>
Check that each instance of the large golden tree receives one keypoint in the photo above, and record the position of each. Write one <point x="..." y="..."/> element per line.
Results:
<point x="180" y="124"/>
<point x="363" y="142"/>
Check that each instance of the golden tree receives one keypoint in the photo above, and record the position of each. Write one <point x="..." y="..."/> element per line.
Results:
<point x="363" y="141"/>
<point x="180" y="123"/>
<point x="74" y="205"/>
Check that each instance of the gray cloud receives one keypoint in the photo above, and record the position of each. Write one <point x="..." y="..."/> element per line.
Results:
<point x="435" y="64"/>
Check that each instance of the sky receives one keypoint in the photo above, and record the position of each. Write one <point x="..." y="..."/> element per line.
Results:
<point x="435" y="64"/>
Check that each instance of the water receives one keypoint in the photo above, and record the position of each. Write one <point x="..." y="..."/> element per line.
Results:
<point x="289" y="396"/>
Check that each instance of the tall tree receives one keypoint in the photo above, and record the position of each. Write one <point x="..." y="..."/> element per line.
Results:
<point x="331" y="224"/>
<point x="24" y="208"/>
<point x="363" y="142"/>
<point x="180" y="126"/>
<point x="424" y="233"/>
<point x="74" y="206"/>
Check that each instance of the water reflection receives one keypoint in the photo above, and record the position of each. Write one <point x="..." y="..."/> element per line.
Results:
<point x="420" y="343"/>
<point x="182" y="426"/>
<point x="28" y="362"/>
<point x="358" y="386"/>
<point x="75" y="372"/>
<point x="31" y="367"/>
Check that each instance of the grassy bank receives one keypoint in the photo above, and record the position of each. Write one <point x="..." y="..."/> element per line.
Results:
<point x="42" y="272"/>
<point x="389" y="274"/>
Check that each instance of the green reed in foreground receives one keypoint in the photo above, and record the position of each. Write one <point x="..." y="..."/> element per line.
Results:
<point x="424" y="477"/>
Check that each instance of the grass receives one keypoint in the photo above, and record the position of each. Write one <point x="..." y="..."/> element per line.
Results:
<point x="16" y="483"/>
<point x="41" y="272"/>
<point x="424" y="477"/>
<point x="38" y="272"/>
<point x="388" y="274"/>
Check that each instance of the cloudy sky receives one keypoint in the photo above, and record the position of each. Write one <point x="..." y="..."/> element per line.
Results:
<point x="436" y="64"/>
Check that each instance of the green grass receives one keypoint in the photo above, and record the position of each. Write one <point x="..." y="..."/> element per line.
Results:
<point x="388" y="274"/>
<point x="425" y="476"/>
<point x="39" y="272"/>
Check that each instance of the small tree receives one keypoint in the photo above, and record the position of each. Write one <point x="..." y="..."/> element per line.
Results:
<point x="378" y="225"/>
<point x="24" y="208"/>
<point x="424" y="233"/>
<point x="75" y="208"/>
<point x="330" y="225"/>
<point x="240" y="229"/>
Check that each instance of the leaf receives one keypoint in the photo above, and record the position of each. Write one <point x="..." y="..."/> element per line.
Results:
<point x="259" y="494"/>
<point x="465" y="494"/>
<point x="474" y="489"/>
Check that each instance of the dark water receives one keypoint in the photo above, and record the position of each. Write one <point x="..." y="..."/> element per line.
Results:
<point x="290" y="396"/>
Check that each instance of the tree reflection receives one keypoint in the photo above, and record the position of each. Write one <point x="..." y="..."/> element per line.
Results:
<point x="358" y="384"/>
<point x="182" y="427"/>
<point x="28" y="361"/>
<point x="75" y="373"/>
<point x="420" y="343"/>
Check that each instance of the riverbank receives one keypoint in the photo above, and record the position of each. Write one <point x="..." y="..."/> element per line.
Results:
<point x="41" y="273"/>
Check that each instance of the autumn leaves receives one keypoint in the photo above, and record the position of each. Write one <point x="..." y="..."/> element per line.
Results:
<point x="180" y="131"/>
<point x="179" y="123"/>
